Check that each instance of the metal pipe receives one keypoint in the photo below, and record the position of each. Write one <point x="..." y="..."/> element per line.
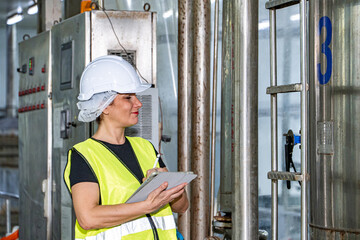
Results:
<point x="12" y="78"/>
<point x="245" y="215"/>
<point x="304" y="117"/>
<point x="225" y="191"/>
<point x="213" y="125"/>
<point x="184" y="101"/>
<point x="274" y="125"/>
<point x="8" y="215"/>
<point x="101" y="4"/>
<point x="200" y="120"/>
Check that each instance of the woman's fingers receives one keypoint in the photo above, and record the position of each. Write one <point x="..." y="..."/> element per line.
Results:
<point x="160" y="196"/>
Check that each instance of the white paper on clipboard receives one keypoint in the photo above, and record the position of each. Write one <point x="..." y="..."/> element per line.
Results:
<point x="173" y="179"/>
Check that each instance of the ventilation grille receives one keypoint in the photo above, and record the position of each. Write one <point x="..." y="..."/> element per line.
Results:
<point x="147" y="126"/>
<point x="129" y="55"/>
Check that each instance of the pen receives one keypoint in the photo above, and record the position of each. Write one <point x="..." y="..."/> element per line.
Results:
<point x="157" y="160"/>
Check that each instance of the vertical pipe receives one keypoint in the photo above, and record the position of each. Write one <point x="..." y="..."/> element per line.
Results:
<point x="225" y="191"/>
<point x="8" y="215"/>
<point x="274" y="126"/>
<point x="12" y="78"/>
<point x="304" y="117"/>
<point x="200" y="120"/>
<point x="184" y="101"/>
<point x="213" y="123"/>
<point x="101" y="4"/>
<point x="245" y="220"/>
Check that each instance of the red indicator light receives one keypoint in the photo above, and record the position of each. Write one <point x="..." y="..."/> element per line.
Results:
<point x="25" y="109"/>
<point x="19" y="93"/>
<point x="43" y="69"/>
<point x="19" y="110"/>
<point x="33" y="107"/>
<point x="38" y="89"/>
<point x="23" y="93"/>
<point x="38" y="106"/>
<point x="34" y="90"/>
<point x="43" y="88"/>
<point x="42" y="106"/>
<point x="30" y="90"/>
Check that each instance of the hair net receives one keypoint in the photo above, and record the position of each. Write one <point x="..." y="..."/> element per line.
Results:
<point x="92" y="108"/>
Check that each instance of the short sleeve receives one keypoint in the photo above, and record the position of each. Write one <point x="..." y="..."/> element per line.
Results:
<point x="80" y="170"/>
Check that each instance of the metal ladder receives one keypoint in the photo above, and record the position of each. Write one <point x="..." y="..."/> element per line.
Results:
<point x="274" y="89"/>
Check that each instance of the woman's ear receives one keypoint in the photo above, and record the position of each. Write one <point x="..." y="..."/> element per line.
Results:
<point x="106" y="111"/>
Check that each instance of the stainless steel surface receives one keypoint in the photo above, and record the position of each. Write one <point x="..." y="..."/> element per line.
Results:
<point x="49" y="14"/>
<point x="277" y="4"/>
<point x="289" y="176"/>
<point x="213" y="118"/>
<point x="12" y="82"/>
<point x="200" y="120"/>
<point x="334" y="131"/>
<point x="245" y="214"/>
<point x="297" y="87"/>
<point x="184" y="102"/>
<point x="142" y="41"/>
<point x="34" y="127"/>
<point x="225" y="190"/>
<point x="304" y="75"/>
<point x="274" y="126"/>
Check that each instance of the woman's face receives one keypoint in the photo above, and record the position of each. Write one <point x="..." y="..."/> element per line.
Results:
<point x="124" y="110"/>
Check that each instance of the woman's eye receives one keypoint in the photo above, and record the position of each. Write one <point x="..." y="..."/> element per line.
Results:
<point x="128" y="97"/>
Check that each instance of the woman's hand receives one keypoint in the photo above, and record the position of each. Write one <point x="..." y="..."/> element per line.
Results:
<point x="160" y="196"/>
<point x="150" y="171"/>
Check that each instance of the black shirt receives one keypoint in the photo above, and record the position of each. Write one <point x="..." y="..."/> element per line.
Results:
<point x="81" y="172"/>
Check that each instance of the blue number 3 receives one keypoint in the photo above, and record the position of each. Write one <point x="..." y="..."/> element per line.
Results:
<point x="324" y="78"/>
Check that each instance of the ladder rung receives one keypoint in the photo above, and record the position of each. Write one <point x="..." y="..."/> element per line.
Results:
<point x="297" y="87"/>
<point x="289" y="176"/>
<point x="277" y="4"/>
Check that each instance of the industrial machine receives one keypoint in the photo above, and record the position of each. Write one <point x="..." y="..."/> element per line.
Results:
<point x="51" y="65"/>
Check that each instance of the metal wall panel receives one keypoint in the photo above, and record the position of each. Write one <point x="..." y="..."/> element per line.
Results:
<point x="35" y="71"/>
<point x="334" y="119"/>
<point x="73" y="34"/>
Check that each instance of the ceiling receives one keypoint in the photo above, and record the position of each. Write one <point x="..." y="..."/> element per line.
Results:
<point x="9" y="7"/>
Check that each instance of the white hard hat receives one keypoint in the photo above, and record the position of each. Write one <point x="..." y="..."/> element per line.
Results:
<point x="109" y="73"/>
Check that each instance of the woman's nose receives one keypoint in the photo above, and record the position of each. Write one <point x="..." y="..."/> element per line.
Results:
<point x="137" y="102"/>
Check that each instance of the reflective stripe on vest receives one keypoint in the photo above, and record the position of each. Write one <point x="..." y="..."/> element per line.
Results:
<point x="124" y="231"/>
<point x="116" y="185"/>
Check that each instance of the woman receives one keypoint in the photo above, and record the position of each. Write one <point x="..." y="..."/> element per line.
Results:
<point x="103" y="171"/>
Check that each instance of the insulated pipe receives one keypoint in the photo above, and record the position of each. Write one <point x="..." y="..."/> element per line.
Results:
<point x="12" y="79"/>
<point x="213" y="123"/>
<point x="184" y="101"/>
<point x="245" y="211"/>
<point x="200" y="120"/>
<point x="225" y="191"/>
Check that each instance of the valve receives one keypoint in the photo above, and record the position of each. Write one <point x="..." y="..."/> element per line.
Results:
<point x="291" y="141"/>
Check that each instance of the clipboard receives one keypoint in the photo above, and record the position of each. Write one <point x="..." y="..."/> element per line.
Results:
<point x="156" y="179"/>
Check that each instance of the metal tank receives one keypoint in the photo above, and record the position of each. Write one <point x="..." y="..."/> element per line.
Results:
<point x="334" y="119"/>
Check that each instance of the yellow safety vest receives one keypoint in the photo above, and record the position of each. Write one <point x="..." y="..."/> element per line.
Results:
<point x="116" y="185"/>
